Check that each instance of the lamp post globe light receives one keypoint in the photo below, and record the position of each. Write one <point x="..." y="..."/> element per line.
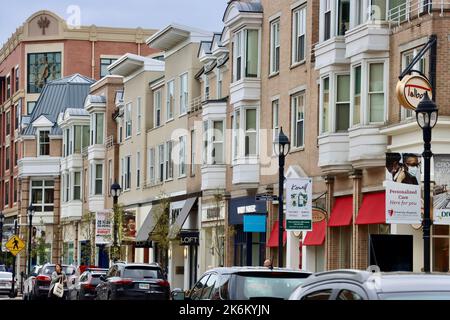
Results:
<point x="115" y="191"/>
<point x="31" y="211"/>
<point x="426" y="116"/>
<point x="282" y="146"/>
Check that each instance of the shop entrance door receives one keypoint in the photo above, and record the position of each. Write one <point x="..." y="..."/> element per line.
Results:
<point x="440" y="247"/>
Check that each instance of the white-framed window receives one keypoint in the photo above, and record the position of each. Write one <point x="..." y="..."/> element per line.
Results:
<point x="193" y="152"/>
<point x="378" y="9"/>
<point x="127" y="173"/>
<point x="138" y="169"/>
<point x="139" y="115"/>
<point x="206" y="87"/>
<point x="218" y="142"/>
<point x="128" y="120"/>
<point x="161" y="163"/>
<point x="42" y="195"/>
<point x="97" y="179"/>
<point x="325" y="88"/>
<point x="151" y="166"/>
<point x="246" y="54"/>
<point x="298" y="34"/>
<point x="169" y="160"/>
<point x="170" y="99"/>
<point x="361" y="12"/>
<point x="275" y="46"/>
<point x="81" y="138"/>
<point x="298" y="119"/>
<point x="251" y="126"/>
<point x="182" y="156"/>
<point x="205" y="142"/>
<point x="44" y="143"/>
<point x="342" y="102"/>
<point x="357" y="94"/>
<point x="66" y="187"/>
<point x="157" y="101"/>
<point x="77" y="185"/>
<point x="343" y="17"/>
<point x="97" y="128"/>
<point x="219" y="76"/>
<point x="110" y="174"/>
<point x="184" y="98"/>
<point x="376" y="92"/>
<point x="327" y="20"/>
<point x="236" y="133"/>
<point x="275" y="116"/>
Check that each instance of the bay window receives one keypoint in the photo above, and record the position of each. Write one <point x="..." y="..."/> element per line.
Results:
<point x="236" y="133"/>
<point x="169" y="160"/>
<point x="77" y="185"/>
<point x="250" y="132"/>
<point x="170" y="100"/>
<point x="157" y="101"/>
<point x="275" y="46"/>
<point x="325" y="103"/>
<point x="219" y="83"/>
<point x="128" y="120"/>
<point x="205" y="142"/>
<point x="327" y="20"/>
<point x="376" y="92"/>
<point x="183" y="93"/>
<point x="298" y="119"/>
<point x="361" y="10"/>
<point x="81" y="138"/>
<point x="357" y="95"/>
<point x="246" y="54"/>
<point x="377" y="9"/>
<point x="206" y="87"/>
<point x="44" y="143"/>
<point x="299" y="31"/>
<point x="343" y="16"/>
<point x="97" y="128"/>
<point x="42" y="195"/>
<point x="98" y="182"/>
<point x="213" y="142"/>
<point x="182" y="156"/>
<point x="66" y="187"/>
<point x="342" y="103"/>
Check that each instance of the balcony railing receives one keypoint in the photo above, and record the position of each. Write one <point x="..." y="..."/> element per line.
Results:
<point x="84" y="151"/>
<point x="109" y="142"/>
<point x="413" y="9"/>
<point x="196" y="103"/>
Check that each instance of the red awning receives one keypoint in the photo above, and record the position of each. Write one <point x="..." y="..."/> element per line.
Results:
<point x="342" y="212"/>
<point x="273" y="240"/>
<point x="316" y="237"/>
<point x="372" y="209"/>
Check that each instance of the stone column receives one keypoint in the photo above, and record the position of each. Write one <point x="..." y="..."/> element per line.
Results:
<point x="356" y="176"/>
<point x="22" y="218"/>
<point x="57" y="228"/>
<point x="329" y="181"/>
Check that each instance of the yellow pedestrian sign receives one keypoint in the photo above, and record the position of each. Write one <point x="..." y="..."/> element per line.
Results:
<point x="15" y="245"/>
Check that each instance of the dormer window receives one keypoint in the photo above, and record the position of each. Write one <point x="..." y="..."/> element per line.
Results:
<point x="246" y="54"/>
<point x="44" y="143"/>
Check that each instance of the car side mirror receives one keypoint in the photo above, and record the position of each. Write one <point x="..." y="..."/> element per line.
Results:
<point x="178" y="294"/>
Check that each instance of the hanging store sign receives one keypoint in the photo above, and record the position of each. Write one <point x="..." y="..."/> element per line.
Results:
<point x="403" y="203"/>
<point x="411" y="90"/>
<point x="299" y="204"/>
<point x="441" y="194"/>
<point x="103" y="227"/>
<point x="254" y="223"/>
<point x="189" y="238"/>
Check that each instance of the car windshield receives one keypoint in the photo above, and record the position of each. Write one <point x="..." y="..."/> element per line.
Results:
<point x="422" y="295"/>
<point x="5" y="275"/>
<point x="96" y="278"/>
<point x="273" y="285"/>
<point x="68" y="270"/>
<point x="139" y="272"/>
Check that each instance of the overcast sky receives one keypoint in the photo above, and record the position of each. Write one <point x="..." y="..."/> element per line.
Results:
<point x="204" y="14"/>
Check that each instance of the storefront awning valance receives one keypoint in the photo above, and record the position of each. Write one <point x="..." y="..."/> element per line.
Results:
<point x="316" y="237"/>
<point x="178" y="224"/>
<point x="273" y="240"/>
<point x="373" y="208"/>
<point x="342" y="212"/>
<point x="148" y="226"/>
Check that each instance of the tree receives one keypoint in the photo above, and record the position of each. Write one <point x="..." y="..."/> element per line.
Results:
<point x="160" y="233"/>
<point x="118" y="213"/>
<point x="88" y="231"/>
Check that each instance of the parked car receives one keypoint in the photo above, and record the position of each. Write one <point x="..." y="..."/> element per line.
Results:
<point x="29" y="282"/>
<point x="133" y="281"/>
<point x="84" y="288"/>
<point x="41" y="284"/>
<point x="244" y="283"/>
<point x="6" y="279"/>
<point x="365" y="285"/>
<point x="2" y="268"/>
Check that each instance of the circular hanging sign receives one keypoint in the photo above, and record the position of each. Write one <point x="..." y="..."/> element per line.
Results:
<point x="318" y="215"/>
<point x="411" y="90"/>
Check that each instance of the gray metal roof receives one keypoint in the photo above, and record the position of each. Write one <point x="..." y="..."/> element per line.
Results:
<point x="244" y="6"/>
<point x="56" y="97"/>
<point x="76" y="112"/>
<point x="96" y="99"/>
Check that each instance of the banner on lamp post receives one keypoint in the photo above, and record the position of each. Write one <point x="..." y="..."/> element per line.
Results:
<point x="441" y="193"/>
<point x="403" y="203"/>
<point x="299" y="204"/>
<point x="103" y="227"/>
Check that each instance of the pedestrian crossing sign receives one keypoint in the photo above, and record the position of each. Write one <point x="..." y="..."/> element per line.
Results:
<point x="15" y="245"/>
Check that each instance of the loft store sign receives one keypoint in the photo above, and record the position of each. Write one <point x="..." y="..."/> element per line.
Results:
<point x="403" y="203"/>
<point x="411" y="90"/>
<point x="299" y="204"/>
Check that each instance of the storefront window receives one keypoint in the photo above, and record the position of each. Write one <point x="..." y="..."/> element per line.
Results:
<point x="345" y="240"/>
<point x="440" y="249"/>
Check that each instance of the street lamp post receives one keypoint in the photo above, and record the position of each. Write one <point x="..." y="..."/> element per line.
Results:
<point x="282" y="146"/>
<point x="426" y="116"/>
<point x="115" y="193"/>
<point x="30" y="227"/>
<point x="2" y="220"/>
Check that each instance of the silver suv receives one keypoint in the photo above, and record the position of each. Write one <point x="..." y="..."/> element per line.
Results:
<point x="366" y="285"/>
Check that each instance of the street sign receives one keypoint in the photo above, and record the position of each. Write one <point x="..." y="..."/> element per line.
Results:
<point x="266" y="197"/>
<point x="15" y="245"/>
<point x="299" y="204"/>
